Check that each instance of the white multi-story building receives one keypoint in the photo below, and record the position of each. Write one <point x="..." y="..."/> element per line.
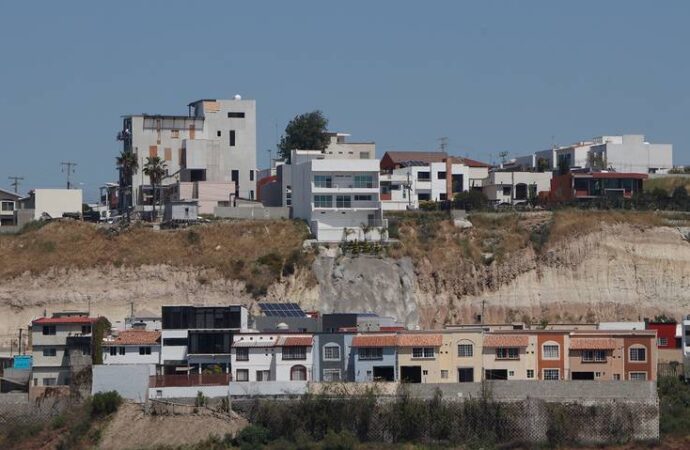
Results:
<point x="133" y="347"/>
<point x="272" y="357"/>
<point x="516" y="187"/>
<point x="61" y="347"/>
<point x="410" y="177"/>
<point x="8" y="206"/>
<point x="214" y="143"/>
<point x="628" y="153"/>
<point x="339" y="198"/>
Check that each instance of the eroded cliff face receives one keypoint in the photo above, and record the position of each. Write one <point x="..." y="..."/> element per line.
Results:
<point x="619" y="272"/>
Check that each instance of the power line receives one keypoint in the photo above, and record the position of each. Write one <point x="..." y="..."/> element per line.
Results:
<point x="68" y="166"/>
<point x="15" y="183"/>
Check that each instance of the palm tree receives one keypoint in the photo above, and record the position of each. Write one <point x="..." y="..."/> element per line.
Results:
<point x="128" y="164"/>
<point x="155" y="169"/>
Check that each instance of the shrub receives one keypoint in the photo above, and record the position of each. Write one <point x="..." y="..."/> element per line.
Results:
<point x="252" y="437"/>
<point x="339" y="441"/>
<point x="200" y="399"/>
<point x="104" y="403"/>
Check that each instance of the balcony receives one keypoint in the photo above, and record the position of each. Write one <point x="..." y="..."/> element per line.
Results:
<point x="189" y="380"/>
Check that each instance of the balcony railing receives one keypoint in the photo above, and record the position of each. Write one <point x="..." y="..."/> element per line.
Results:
<point x="192" y="379"/>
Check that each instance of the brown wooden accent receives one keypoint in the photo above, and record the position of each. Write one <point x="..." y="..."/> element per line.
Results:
<point x="192" y="131"/>
<point x="168" y="154"/>
<point x="153" y="151"/>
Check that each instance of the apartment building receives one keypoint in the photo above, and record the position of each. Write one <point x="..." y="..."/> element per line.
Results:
<point x="339" y="198"/>
<point x="61" y="347"/>
<point x="410" y="177"/>
<point x="626" y="153"/>
<point x="272" y="357"/>
<point x="198" y="338"/>
<point x="514" y="188"/>
<point x="8" y="206"/>
<point x="133" y="346"/>
<point x="210" y="151"/>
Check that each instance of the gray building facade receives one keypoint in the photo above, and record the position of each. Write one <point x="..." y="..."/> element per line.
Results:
<point x="334" y="358"/>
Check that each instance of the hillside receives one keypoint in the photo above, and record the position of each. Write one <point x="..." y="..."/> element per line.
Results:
<point x="571" y="265"/>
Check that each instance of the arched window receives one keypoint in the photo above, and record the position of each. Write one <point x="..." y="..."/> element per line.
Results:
<point x="298" y="373"/>
<point x="550" y="350"/>
<point x="331" y="352"/>
<point x="465" y="349"/>
<point x="637" y="353"/>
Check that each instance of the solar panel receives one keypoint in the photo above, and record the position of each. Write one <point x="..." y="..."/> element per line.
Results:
<point x="281" y="310"/>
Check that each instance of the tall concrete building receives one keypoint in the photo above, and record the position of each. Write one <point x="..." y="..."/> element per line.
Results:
<point x="215" y="143"/>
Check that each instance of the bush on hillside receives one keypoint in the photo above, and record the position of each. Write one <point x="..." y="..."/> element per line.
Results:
<point x="104" y="403"/>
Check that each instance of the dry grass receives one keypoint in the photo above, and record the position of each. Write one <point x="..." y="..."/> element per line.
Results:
<point x="668" y="183"/>
<point x="570" y="223"/>
<point x="254" y="251"/>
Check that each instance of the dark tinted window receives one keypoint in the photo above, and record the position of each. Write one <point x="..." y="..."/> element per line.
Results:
<point x="236" y="115"/>
<point x="174" y="341"/>
<point x="209" y="342"/>
<point x="189" y="317"/>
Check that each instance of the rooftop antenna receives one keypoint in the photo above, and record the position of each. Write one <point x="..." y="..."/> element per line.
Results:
<point x="68" y="167"/>
<point x="15" y="183"/>
<point x="270" y="158"/>
<point x="503" y="156"/>
<point x="443" y="143"/>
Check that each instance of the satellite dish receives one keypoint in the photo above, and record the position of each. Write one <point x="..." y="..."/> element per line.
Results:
<point x="238" y="97"/>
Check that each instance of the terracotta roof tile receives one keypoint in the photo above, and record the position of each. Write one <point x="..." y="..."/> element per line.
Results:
<point x="135" y="337"/>
<point x="592" y="343"/>
<point x="505" y="340"/>
<point x="419" y="340"/>
<point x="296" y="341"/>
<point x="374" y="340"/>
<point x="469" y="162"/>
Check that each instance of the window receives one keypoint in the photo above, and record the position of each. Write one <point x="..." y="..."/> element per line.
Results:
<point x="511" y="373"/>
<point x="552" y="374"/>
<point x="638" y="354"/>
<point x="294" y="353"/>
<point x="298" y="373"/>
<point x="637" y="376"/>
<point x="331" y="375"/>
<point x="441" y="175"/>
<point x="218" y="133"/>
<point x="662" y="342"/>
<point x="232" y="138"/>
<point x="364" y="181"/>
<point x="242" y="354"/>
<point x="8" y="206"/>
<point x="49" y="381"/>
<point x="362" y="198"/>
<point x="370" y="353"/>
<point x="235" y="115"/>
<point x="174" y="134"/>
<point x="506" y="190"/>
<point x="507" y="353"/>
<point x="550" y="351"/>
<point x="175" y="341"/>
<point x="323" y="201"/>
<point x="343" y="201"/>
<point x="251" y="175"/>
<point x="425" y="352"/>
<point x="530" y="373"/>
<point x="593" y="355"/>
<point x="444" y="374"/>
<point x="49" y="330"/>
<point x="465" y="350"/>
<point x="363" y="155"/>
<point x="617" y="376"/>
<point x="323" y="181"/>
<point x="86" y="329"/>
<point x="331" y="352"/>
<point x="263" y="375"/>
<point x="242" y="375"/>
<point x="113" y="351"/>
<point x="442" y="197"/>
<point x="49" y="352"/>
<point x="121" y="350"/>
<point x="423" y="176"/>
<point x="423" y="197"/>
<point x="144" y="350"/>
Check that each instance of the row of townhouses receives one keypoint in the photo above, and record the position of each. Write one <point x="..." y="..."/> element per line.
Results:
<point x="221" y="345"/>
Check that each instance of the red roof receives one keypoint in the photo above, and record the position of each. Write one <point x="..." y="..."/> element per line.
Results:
<point x="469" y="162"/>
<point x="375" y="340"/>
<point x="505" y="340"/>
<point x="64" y="320"/>
<point x="135" y="337"/>
<point x="419" y="340"/>
<point x="296" y="341"/>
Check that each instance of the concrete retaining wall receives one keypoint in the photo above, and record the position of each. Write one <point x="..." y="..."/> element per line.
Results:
<point x="252" y="212"/>
<point x="268" y="389"/>
<point x="187" y="392"/>
<point x="131" y="381"/>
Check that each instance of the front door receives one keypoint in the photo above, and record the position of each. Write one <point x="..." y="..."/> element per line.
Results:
<point x="466" y="375"/>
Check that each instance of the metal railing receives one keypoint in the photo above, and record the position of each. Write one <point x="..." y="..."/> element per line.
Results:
<point x="192" y="379"/>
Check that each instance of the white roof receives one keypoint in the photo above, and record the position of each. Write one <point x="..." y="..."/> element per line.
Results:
<point x="621" y="326"/>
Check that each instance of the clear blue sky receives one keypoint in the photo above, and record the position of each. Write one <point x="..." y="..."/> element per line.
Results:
<point x="491" y="76"/>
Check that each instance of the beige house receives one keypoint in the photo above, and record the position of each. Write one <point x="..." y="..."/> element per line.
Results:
<point x="509" y="356"/>
<point x="460" y="357"/>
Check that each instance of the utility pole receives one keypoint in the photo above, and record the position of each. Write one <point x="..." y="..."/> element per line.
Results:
<point x="270" y="160"/>
<point x="443" y="143"/>
<point x="68" y="166"/>
<point x="15" y="183"/>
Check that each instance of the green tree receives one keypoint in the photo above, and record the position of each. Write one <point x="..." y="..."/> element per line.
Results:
<point x="127" y="164"/>
<point x="680" y="198"/>
<point x="471" y="200"/>
<point x="542" y="165"/>
<point x="155" y="169"/>
<point x="307" y="132"/>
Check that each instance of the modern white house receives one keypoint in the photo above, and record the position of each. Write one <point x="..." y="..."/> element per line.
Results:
<point x="8" y="206"/>
<point x="61" y="347"/>
<point x="629" y="153"/>
<point x="272" y="357"/>
<point x="53" y="203"/>
<point x="338" y="198"/>
<point x="134" y="346"/>
<point x="410" y="177"/>
<point x="514" y="188"/>
<point x="214" y="143"/>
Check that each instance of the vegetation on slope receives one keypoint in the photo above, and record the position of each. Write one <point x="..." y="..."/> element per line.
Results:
<point x="668" y="183"/>
<point x="257" y="252"/>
